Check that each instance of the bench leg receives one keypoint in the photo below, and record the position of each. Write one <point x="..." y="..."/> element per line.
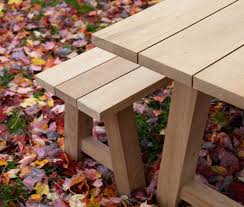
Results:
<point x="125" y="151"/>
<point x="186" y="125"/>
<point x="77" y="125"/>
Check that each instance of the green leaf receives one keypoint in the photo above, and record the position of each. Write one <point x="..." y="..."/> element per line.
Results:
<point x="38" y="94"/>
<point x="219" y="118"/>
<point x="14" y="192"/>
<point x="11" y="165"/>
<point x="54" y="30"/>
<point x="143" y="127"/>
<point x="6" y="77"/>
<point x="41" y="2"/>
<point x="16" y="123"/>
<point x="54" y="3"/>
<point x="81" y="8"/>
<point x="91" y="27"/>
<point x="163" y="118"/>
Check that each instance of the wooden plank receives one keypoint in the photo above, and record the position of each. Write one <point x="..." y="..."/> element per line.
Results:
<point x="140" y="31"/>
<point x="83" y="84"/>
<point x="125" y="152"/>
<point x="190" y="51"/>
<point x="185" y="129"/>
<point x="97" y="150"/>
<point x="200" y="195"/>
<point x="58" y="74"/>
<point x="225" y="79"/>
<point x="77" y="126"/>
<point x="120" y="93"/>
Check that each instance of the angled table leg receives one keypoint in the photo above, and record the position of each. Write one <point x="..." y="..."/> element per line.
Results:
<point x="125" y="152"/>
<point x="77" y="125"/>
<point x="186" y="125"/>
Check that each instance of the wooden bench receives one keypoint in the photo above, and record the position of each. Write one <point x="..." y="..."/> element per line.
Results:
<point x="199" y="45"/>
<point x="100" y="85"/>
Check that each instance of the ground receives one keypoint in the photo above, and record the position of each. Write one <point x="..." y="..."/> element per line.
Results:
<point x="34" y="171"/>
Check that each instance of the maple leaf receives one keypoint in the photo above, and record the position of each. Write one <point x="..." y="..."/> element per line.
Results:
<point x="76" y="179"/>
<point x="41" y="189"/>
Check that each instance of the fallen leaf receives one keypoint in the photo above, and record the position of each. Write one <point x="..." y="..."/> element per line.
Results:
<point x="41" y="163"/>
<point x="34" y="177"/>
<point x="35" y="198"/>
<point x="241" y="154"/>
<point x="14" y="2"/>
<point x="38" y="61"/>
<point x="3" y="163"/>
<point x="75" y="201"/>
<point x="42" y="189"/>
<point x="13" y="173"/>
<point x="219" y="170"/>
<point x="76" y="179"/>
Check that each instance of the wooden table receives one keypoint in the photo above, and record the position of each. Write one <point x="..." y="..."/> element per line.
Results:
<point x="200" y="45"/>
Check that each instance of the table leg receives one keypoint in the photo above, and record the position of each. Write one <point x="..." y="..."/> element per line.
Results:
<point x="125" y="151"/>
<point x="186" y="125"/>
<point x="77" y="125"/>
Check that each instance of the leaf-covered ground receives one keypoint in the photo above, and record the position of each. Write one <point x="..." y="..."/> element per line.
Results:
<point x="34" y="171"/>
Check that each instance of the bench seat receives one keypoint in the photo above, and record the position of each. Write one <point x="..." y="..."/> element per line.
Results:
<point x="121" y="93"/>
<point x="71" y="68"/>
<point x="100" y="85"/>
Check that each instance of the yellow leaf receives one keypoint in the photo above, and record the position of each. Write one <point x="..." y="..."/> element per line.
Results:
<point x="29" y="102"/>
<point x="50" y="103"/>
<point x="36" y="197"/>
<point x="30" y="43"/>
<point x="219" y="169"/>
<point x="1" y="9"/>
<point x="3" y="163"/>
<point x="241" y="153"/>
<point x="77" y="179"/>
<point x="41" y="163"/>
<point x="38" y="61"/>
<point x="41" y="189"/>
<point x="22" y="81"/>
<point x="14" y="1"/>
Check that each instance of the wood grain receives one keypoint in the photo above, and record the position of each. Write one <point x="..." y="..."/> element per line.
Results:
<point x="190" y="51"/>
<point x="184" y="136"/>
<point x="224" y="79"/>
<point x="97" y="150"/>
<point x="140" y="31"/>
<point x="77" y="126"/>
<point x="58" y="74"/>
<point x="125" y="153"/>
<point x="121" y="93"/>
<point x="93" y="79"/>
<point x="200" y="195"/>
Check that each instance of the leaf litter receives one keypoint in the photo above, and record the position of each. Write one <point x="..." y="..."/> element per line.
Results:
<point x="34" y="170"/>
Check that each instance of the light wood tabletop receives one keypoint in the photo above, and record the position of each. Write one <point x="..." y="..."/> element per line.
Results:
<point x="186" y="39"/>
